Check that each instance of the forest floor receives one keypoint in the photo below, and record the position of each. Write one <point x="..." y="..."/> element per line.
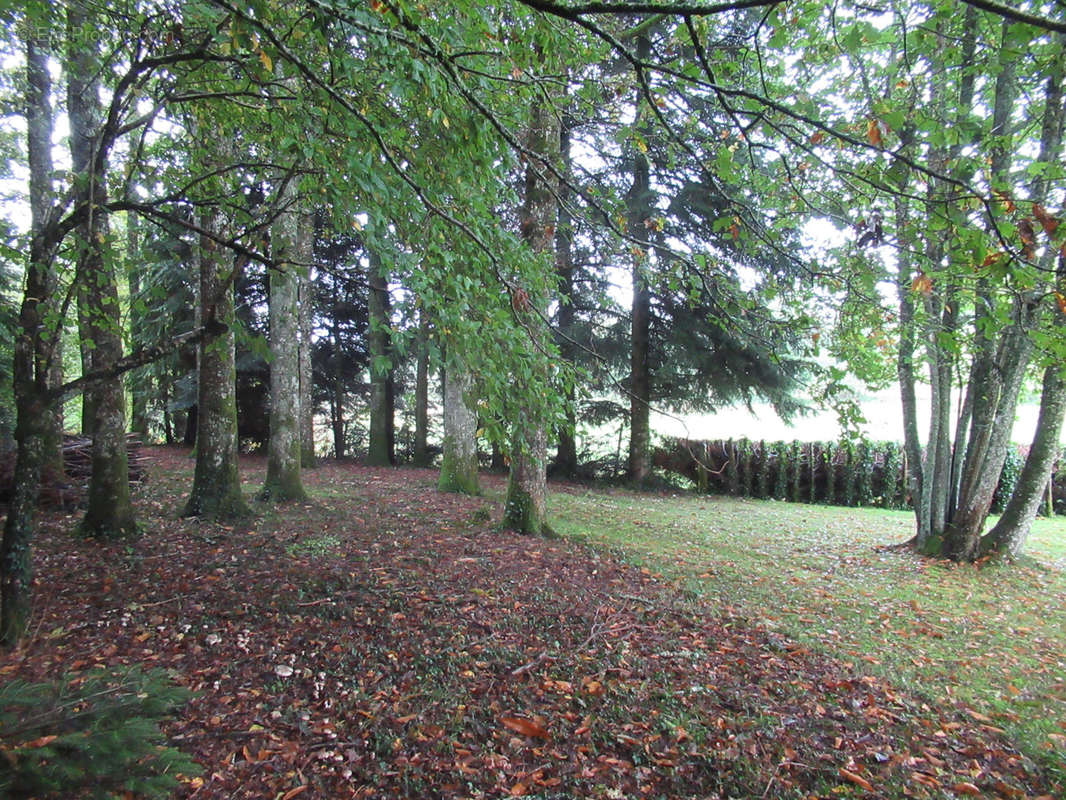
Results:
<point x="387" y="640"/>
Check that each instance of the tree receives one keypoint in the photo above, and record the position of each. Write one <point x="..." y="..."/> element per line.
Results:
<point x="458" y="470"/>
<point x="34" y="344"/>
<point x="305" y="256"/>
<point x="382" y="450"/>
<point x="525" y="508"/>
<point x="283" y="480"/>
<point x="216" y="489"/>
<point x="110" y="510"/>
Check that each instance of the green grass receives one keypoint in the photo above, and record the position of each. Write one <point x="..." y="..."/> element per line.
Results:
<point x="993" y="638"/>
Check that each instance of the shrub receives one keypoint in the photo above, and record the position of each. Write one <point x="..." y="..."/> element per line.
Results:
<point x="97" y="732"/>
<point x="781" y="470"/>
<point x="763" y="469"/>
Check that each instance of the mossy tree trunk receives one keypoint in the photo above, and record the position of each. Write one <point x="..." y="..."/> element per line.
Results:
<point x="283" y="482"/>
<point x="216" y="489"/>
<point x="458" y="469"/>
<point x="381" y="451"/>
<point x="525" y="509"/>
<point x="110" y="511"/>
<point x="33" y="354"/>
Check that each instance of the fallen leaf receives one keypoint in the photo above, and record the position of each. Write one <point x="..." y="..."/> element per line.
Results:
<point x="525" y="727"/>
<point x="42" y="742"/>
<point x="858" y="780"/>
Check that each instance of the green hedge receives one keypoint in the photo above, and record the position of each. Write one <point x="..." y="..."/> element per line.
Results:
<point x="848" y="473"/>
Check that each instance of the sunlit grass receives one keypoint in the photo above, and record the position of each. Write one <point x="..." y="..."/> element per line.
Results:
<point x="992" y="638"/>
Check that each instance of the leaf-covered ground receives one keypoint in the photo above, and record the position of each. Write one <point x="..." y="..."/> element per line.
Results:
<point x="386" y="640"/>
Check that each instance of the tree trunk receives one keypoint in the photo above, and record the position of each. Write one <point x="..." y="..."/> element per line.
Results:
<point x="305" y="254"/>
<point x="421" y="455"/>
<point x="639" y="210"/>
<point x="566" y="453"/>
<point x="990" y="440"/>
<point x="283" y="482"/>
<point x="34" y="424"/>
<point x="1002" y="377"/>
<point x="39" y="127"/>
<point x="1009" y="534"/>
<point x="337" y="400"/>
<point x="110" y="511"/>
<point x="905" y="373"/>
<point x="381" y="451"/>
<point x="458" y="469"/>
<point x="525" y="509"/>
<point x="216" y="488"/>
<point x="139" y="381"/>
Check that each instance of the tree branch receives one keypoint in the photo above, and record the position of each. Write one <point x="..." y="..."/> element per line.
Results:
<point x="138" y="358"/>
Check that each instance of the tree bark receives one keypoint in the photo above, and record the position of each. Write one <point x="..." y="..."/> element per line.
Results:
<point x="906" y="374"/>
<point x="458" y="469"/>
<point x="216" y="489"/>
<point x="305" y="255"/>
<point x="381" y="451"/>
<point x="34" y="425"/>
<point x="138" y="381"/>
<point x="525" y="508"/>
<point x="110" y="511"/>
<point x="336" y="397"/>
<point x="1009" y="534"/>
<point x="422" y="456"/>
<point x="283" y="482"/>
<point x="566" y="453"/>
<point x="1001" y="376"/>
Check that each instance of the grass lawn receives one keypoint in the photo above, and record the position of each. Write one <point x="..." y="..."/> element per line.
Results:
<point x="991" y="638"/>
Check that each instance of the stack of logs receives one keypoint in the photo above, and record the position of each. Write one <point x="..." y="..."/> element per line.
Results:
<point x="68" y="490"/>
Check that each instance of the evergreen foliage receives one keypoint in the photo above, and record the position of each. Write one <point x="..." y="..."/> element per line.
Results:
<point x="97" y="733"/>
<point x="829" y="454"/>
<point x="780" y="461"/>
<point x="1008" y="479"/>
<point x="845" y="473"/>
